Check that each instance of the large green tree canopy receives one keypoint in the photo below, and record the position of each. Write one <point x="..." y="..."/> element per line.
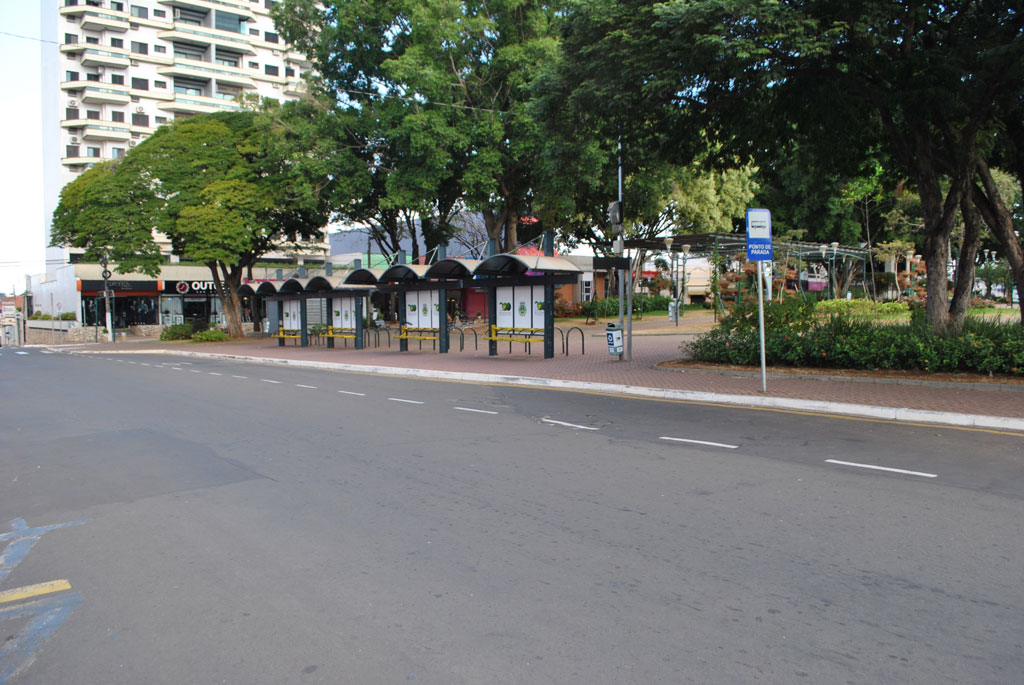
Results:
<point x="917" y="79"/>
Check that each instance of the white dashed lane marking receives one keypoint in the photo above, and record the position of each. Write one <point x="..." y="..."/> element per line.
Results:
<point x="270" y="381"/>
<point x="349" y="392"/>
<point x="310" y="387"/>
<point x="881" y="468"/>
<point x="214" y="373"/>
<point x="475" y="411"/>
<point x="399" y="399"/>
<point x="233" y="376"/>
<point x="701" y="442"/>
<point x="569" y="425"/>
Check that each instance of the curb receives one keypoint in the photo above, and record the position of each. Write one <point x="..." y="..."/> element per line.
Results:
<point x="897" y="414"/>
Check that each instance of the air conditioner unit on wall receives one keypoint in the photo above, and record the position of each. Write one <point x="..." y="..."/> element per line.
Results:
<point x="72" y="103"/>
<point x="99" y="70"/>
<point x="177" y="14"/>
<point x="140" y="110"/>
<point x="74" y="139"/>
<point x="131" y="143"/>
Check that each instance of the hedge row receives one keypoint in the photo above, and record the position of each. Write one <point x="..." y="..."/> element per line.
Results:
<point x="794" y="339"/>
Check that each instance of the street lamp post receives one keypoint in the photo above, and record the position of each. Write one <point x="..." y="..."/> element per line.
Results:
<point x="682" y="300"/>
<point x="832" y="270"/>
<point x="672" y="278"/>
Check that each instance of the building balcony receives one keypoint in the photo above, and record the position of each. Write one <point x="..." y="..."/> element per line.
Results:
<point x="91" y="57"/>
<point x="295" y="87"/>
<point x="107" y="94"/>
<point x="201" y="35"/>
<point x="240" y="7"/>
<point x="198" y="104"/>
<point x="94" y="20"/>
<point x="80" y="161"/>
<point x="207" y="70"/>
<point x="95" y="130"/>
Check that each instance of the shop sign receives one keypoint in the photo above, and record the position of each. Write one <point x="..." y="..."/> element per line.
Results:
<point x="185" y="287"/>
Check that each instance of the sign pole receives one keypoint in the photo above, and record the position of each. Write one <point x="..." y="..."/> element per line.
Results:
<point x="759" y="251"/>
<point x="760" y="323"/>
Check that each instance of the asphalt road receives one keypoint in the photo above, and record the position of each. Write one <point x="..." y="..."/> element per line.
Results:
<point x="243" y="523"/>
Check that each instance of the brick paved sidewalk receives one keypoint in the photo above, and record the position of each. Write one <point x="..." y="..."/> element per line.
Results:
<point x="653" y="342"/>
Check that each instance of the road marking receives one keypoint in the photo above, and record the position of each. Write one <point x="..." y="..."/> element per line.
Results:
<point x="399" y="399"/>
<point x="21" y="540"/>
<point x="214" y="373"/>
<point x="311" y="387"/>
<point x="349" y="392"/>
<point x="47" y="352"/>
<point x="701" y="442"/>
<point x="233" y="376"/>
<point x="476" y="411"/>
<point x="269" y="381"/>
<point x="569" y="425"/>
<point x="881" y="468"/>
<point x="144" y="364"/>
<point x="176" y="368"/>
<point x="21" y="353"/>
<point x="131" y="362"/>
<point x="33" y="590"/>
<point x="194" y="371"/>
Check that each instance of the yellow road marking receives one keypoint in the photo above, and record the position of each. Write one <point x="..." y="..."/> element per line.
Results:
<point x="33" y="590"/>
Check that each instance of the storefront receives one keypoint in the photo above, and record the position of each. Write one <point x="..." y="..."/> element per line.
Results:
<point x="134" y="303"/>
<point x="189" y="301"/>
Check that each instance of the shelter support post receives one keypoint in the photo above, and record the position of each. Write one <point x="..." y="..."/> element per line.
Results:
<point x="303" y="332"/>
<point x="330" y="321"/>
<point x="549" y="301"/>
<point x="359" y="325"/>
<point x="492" y="319"/>
<point x="403" y="343"/>
<point x="442" y="321"/>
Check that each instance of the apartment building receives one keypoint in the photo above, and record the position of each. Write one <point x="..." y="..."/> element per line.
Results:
<point x="124" y="68"/>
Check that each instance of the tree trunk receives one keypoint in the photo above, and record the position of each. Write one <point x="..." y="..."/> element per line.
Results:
<point x="227" y="291"/>
<point x="964" y="276"/>
<point x="1000" y="222"/>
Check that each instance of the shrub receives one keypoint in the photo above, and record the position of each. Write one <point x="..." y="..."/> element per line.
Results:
<point x="68" y="316"/>
<point x="211" y="335"/>
<point x="179" y="331"/>
<point x="198" y="325"/>
<point x="843" y="342"/>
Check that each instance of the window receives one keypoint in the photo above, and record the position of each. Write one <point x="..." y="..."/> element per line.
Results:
<point x="92" y="114"/>
<point x="140" y="12"/>
<point x="71" y="38"/>
<point x="254" y="32"/>
<point x="269" y="4"/>
<point x="270" y="70"/>
<point x="71" y="113"/>
<point x="70" y="3"/>
<point x="117" y="79"/>
<point x="159" y="48"/>
<point x="187" y="86"/>
<point x="116" y="43"/>
<point x="92" y="77"/>
<point x="159" y="84"/>
<point x="118" y="152"/>
<point x="270" y="36"/>
<point x="160" y="120"/>
<point x="140" y="120"/>
<point x="228" y="59"/>
<point x="191" y="16"/>
<point x="225" y="92"/>
<point x="226" y="21"/>
<point x="70" y="75"/>
<point x="135" y="98"/>
<point x="92" y="40"/>
<point x="159" y="13"/>
<point x="288" y="71"/>
<point x="254" y="65"/>
<point x="117" y="6"/>
<point x="140" y="83"/>
<point x="92" y="152"/>
<point x="187" y="51"/>
<point x="71" y="151"/>
<point x="140" y="48"/>
<point x="117" y="116"/>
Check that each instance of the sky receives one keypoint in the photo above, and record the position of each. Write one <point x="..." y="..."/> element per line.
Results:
<point x="21" y="176"/>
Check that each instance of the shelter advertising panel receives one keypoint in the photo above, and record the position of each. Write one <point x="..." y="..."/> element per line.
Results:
<point x="344" y="314"/>
<point x="506" y="306"/>
<point x="290" y="314"/>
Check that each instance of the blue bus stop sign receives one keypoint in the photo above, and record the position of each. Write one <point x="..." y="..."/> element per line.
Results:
<point x="759" y="235"/>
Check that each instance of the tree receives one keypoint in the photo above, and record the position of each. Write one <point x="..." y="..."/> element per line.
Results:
<point x="441" y="88"/>
<point x="225" y="189"/>
<point x="111" y="216"/>
<point x="753" y="72"/>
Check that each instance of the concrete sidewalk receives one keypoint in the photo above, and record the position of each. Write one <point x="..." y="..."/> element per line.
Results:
<point x="967" y="402"/>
